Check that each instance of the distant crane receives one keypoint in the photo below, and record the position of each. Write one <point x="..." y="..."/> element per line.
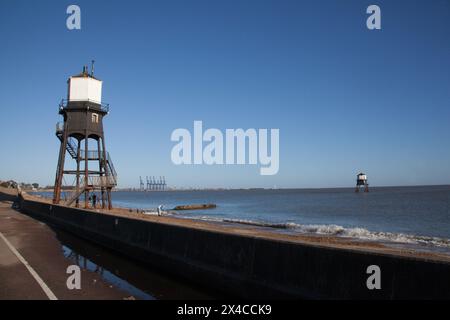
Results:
<point x="153" y="183"/>
<point x="148" y="183"/>
<point x="141" y="184"/>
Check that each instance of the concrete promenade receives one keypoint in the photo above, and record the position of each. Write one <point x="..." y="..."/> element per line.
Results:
<point x="32" y="264"/>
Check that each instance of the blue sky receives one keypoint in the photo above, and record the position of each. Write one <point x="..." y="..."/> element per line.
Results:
<point x="345" y="98"/>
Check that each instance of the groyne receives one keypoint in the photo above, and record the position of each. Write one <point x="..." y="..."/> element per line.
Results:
<point x="251" y="267"/>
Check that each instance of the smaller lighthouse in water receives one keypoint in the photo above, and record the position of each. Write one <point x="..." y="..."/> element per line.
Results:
<point x="361" y="181"/>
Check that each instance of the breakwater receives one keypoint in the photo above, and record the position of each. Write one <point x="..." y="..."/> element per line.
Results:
<point x="252" y="267"/>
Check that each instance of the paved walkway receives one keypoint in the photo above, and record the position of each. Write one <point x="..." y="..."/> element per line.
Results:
<point x="32" y="264"/>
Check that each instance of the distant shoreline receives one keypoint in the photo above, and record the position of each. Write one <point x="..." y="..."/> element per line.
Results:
<point x="255" y="189"/>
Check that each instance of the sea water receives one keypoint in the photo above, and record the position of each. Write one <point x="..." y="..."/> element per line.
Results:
<point x="417" y="216"/>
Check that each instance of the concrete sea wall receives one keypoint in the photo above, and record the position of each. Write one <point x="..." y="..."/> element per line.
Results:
<point x="250" y="267"/>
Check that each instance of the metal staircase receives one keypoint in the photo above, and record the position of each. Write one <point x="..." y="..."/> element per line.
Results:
<point x="74" y="195"/>
<point x="94" y="182"/>
<point x="71" y="147"/>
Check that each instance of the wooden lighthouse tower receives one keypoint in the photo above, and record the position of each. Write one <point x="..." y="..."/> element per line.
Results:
<point x="361" y="181"/>
<point x="94" y="175"/>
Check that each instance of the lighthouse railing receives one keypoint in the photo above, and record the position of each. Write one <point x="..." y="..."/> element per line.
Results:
<point x="102" y="181"/>
<point x="59" y="127"/>
<point x="96" y="155"/>
<point x="65" y="103"/>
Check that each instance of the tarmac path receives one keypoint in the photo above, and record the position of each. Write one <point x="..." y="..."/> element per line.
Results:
<point x="33" y="266"/>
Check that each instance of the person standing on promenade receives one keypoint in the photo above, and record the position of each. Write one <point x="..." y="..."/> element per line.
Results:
<point x="159" y="210"/>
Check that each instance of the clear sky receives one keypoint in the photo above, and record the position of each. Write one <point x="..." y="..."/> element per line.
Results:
<point x="346" y="99"/>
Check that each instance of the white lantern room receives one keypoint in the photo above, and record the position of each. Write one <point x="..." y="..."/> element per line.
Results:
<point x="85" y="87"/>
<point x="362" y="177"/>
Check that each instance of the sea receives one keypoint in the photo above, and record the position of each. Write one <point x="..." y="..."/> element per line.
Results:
<point x="416" y="216"/>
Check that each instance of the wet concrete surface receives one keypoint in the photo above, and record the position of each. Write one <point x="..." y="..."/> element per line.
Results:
<point x="49" y="251"/>
<point x="139" y="280"/>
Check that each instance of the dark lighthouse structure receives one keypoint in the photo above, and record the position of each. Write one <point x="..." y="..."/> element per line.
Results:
<point x="83" y="140"/>
<point x="361" y="181"/>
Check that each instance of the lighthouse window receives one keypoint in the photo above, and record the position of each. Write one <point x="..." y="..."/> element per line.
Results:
<point x="95" y="118"/>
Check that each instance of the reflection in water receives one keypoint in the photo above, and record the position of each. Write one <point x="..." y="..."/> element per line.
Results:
<point x="109" y="277"/>
<point x="135" y="278"/>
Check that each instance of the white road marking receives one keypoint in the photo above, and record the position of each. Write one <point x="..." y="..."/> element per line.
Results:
<point x="38" y="279"/>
